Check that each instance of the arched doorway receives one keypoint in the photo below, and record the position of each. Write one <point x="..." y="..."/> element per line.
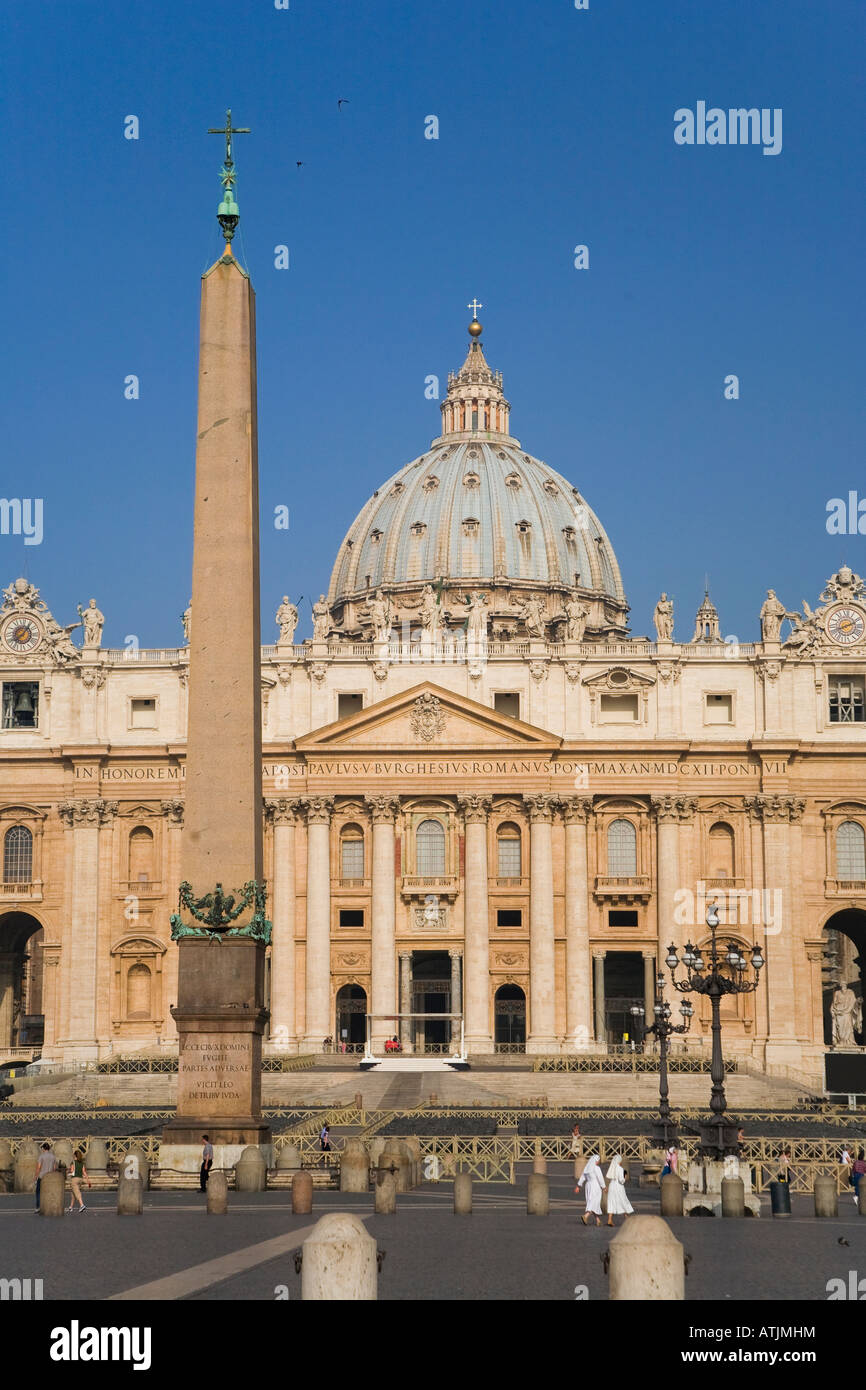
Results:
<point x="22" y="1022"/>
<point x="509" y="1019"/>
<point x="351" y="1010"/>
<point x="845" y="965"/>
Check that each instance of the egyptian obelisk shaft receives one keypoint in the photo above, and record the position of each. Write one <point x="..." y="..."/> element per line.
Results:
<point x="221" y="925"/>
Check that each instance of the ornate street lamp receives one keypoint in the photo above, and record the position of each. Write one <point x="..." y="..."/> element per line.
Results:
<point x="664" y="1130"/>
<point x="718" y="1133"/>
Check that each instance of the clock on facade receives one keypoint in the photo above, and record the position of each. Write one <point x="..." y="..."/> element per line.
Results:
<point x="845" y="626"/>
<point x="22" y="634"/>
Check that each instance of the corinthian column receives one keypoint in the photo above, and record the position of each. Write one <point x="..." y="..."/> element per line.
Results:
<point x="542" y="972"/>
<point x="578" y="983"/>
<point x="80" y="944"/>
<point x="317" y="1025"/>
<point x="780" y="816"/>
<point x="282" y="815"/>
<point x="476" y="928"/>
<point x="669" y="811"/>
<point x="383" y="809"/>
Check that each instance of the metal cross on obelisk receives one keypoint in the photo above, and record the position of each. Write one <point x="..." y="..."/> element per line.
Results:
<point x="228" y="130"/>
<point x="228" y="214"/>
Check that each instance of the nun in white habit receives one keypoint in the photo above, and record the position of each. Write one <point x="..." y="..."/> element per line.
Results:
<point x="592" y="1182"/>
<point x="617" y="1202"/>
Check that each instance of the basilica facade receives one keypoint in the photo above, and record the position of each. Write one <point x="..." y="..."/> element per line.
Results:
<point x="483" y="797"/>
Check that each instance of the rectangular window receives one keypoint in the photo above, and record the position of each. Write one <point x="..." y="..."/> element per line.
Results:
<point x="507" y="702"/>
<point x="142" y="713"/>
<point x="509" y="917"/>
<point x="719" y="709"/>
<point x="509" y="857"/>
<point x="20" y="705"/>
<point x="352" y="855"/>
<point x="349" y="703"/>
<point x="847" y="703"/>
<point x="351" y="917"/>
<point x="618" y="709"/>
<point x="622" y="919"/>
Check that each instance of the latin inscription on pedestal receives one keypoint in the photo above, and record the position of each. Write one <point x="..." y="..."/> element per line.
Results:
<point x="215" y="1076"/>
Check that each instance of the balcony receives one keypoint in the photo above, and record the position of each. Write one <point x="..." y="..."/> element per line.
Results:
<point x="358" y="884"/>
<point x="22" y="892"/>
<point x="142" y="887"/>
<point x="616" y="888"/>
<point x="845" y="887"/>
<point x="512" y="883"/>
<point x="419" y="885"/>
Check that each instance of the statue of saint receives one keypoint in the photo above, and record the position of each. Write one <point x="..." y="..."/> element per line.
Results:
<point x="379" y="612"/>
<point x="577" y="614"/>
<point x="430" y="612"/>
<point x="187" y="622"/>
<point x="532" y="614"/>
<point x="287" y="621"/>
<point x="64" y="648"/>
<point x="843" y="1009"/>
<point x="772" y="613"/>
<point x="321" y="619"/>
<point x="663" y="617"/>
<point x="476" y="618"/>
<point x="93" y="621"/>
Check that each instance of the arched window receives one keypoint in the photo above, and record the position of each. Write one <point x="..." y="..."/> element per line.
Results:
<point x="138" y="982"/>
<point x="430" y="849"/>
<point x="18" y="855"/>
<point x="721" y="851"/>
<point x="621" y="849"/>
<point x="141" y="855"/>
<point x="352" y="852"/>
<point x="508" y="851"/>
<point x="850" y="850"/>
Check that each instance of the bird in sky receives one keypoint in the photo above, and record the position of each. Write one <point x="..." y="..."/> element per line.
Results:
<point x="299" y="162"/>
<point x="341" y="102"/>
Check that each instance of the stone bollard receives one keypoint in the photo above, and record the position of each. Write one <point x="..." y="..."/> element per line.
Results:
<point x="539" y="1164"/>
<point x="63" y="1152"/>
<point x="302" y="1193"/>
<point x="671" y="1190"/>
<point x="251" y="1170"/>
<point x="733" y="1197"/>
<point x="217" y="1193"/>
<point x="25" y="1165"/>
<point x="462" y="1194"/>
<point x="7" y="1166"/>
<point x="130" y="1196"/>
<point x="354" y="1167"/>
<point x="339" y="1261"/>
<point x="826" y="1196"/>
<point x="397" y="1155"/>
<point x="376" y="1149"/>
<point x="52" y="1194"/>
<point x="538" y="1194"/>
<point x="385" y="1193"/>
<point x="96" y="1157"/>
<point x="646" y="1262"/>
<point x="289" y="1157"/>
<point x="413" y="1147"/>
<point x="134" y="1164"/>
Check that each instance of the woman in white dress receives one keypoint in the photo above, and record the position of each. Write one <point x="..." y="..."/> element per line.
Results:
<point x="617" y="1202"/>
<point x="592" y="1183"/>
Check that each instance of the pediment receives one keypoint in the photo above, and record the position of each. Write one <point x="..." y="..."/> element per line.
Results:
<point x="619" y="680"/>
<point x="428" y="718"/>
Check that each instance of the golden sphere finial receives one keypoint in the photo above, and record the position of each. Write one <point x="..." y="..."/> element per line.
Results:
<point x="475" y="329"/>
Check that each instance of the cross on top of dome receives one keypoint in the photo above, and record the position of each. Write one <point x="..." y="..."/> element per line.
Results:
<point x="475" y="403"/>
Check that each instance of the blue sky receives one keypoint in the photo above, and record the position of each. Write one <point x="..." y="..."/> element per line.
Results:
<point x="555" y="129"/>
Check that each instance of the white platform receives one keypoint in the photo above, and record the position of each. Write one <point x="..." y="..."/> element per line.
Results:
<point x="408" y="1064"/>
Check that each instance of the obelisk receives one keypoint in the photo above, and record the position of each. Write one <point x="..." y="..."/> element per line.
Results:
<point x="220" y="926"/>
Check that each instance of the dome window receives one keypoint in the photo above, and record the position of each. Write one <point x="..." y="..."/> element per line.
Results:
<point x="501" y="454"/>
<point x="473" y="454"/>
<point x="471" y="525"/>
<point x="431" y="483"/>
<point x="397" y="489"/>
<point x="524" y="527"/>
<point x="417" y="529"/>
<point x="569" y="533"/>
<point x="376" y="536"/>
<point x="471" y="480"/>
<point x="514" y="480"/>
<point x="550" y="487"/>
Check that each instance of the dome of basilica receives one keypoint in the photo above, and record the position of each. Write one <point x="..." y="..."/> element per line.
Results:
<point x="478" y="515"/>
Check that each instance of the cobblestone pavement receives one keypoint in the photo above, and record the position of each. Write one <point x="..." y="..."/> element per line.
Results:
<point x="499" y="1253"/>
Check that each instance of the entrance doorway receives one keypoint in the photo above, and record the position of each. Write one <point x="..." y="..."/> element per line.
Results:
<point x="351" y="1008"/>
<point x="845" y="966"/>
<point x="509" y="1015"/>
<point x="22" y="1021"/>
<point x="431" y="994"/>
<point x="623" y="987"/>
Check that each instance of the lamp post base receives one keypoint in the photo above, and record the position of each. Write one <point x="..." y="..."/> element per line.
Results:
<point x="718" y="1137"/>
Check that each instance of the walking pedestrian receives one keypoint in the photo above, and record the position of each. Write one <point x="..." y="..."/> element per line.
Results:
<point x="46" y="1163"/>
<point x="617" y="1201"/>
<point x="785" y="1169"/>
<point x="206" y="1162"/>
<point x="325" y="1138"/>
<point x="672" y="1158"/>
<point x="592" y="1182"/>
<point x="858" y="1168"/>
<point x="76" y="1174"/>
